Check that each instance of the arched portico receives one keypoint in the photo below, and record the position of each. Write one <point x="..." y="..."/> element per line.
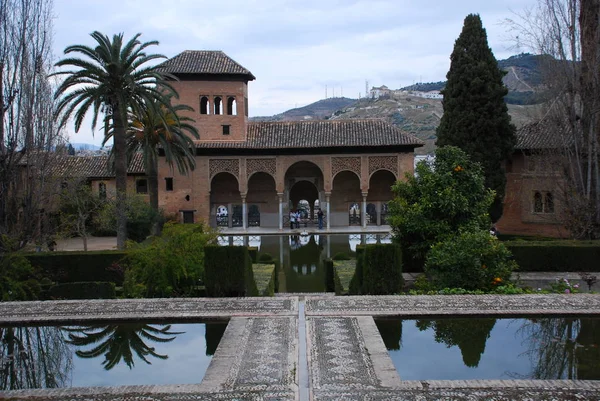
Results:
<point x="303" y="180"/>
<point x="225" y="193"/>
<point x="346" y="197"/>
<point x="380" y="193"/>
<point x="262" y="200"/>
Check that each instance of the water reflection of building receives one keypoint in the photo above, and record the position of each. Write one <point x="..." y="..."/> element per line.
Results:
<point x="353" y="241"/>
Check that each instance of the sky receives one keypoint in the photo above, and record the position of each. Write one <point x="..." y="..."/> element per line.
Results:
<point x="297" y="48"/>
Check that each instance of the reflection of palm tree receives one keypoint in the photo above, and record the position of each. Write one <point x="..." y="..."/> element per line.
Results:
<point x="116" y="342"/>
<point x="33" y="357"/>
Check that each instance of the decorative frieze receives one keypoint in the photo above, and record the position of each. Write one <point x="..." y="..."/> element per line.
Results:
<point x="345" y="163"/>
<point x="217" y="166"/>
<point x="389" y="163"/>
<point x="268" y="166"/>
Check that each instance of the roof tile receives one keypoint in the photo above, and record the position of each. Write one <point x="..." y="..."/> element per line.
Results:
<point x="204" y="62"/>
<point x="92" y="166"/>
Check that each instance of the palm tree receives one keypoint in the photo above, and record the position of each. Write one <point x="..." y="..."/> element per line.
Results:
<point x="160" y="127"/>
<point x="118" y="341"/>
<point x="114" y="79"/>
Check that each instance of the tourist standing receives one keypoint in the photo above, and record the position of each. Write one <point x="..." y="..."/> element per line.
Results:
<point x="320" y="218"/>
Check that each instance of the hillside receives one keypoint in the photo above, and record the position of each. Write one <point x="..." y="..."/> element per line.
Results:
<point x="418" y="116"/>
<point x="314" y="111"/>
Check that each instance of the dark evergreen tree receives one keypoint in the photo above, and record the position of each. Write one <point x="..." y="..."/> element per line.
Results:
<point x="70" y="150"/>
<point x="475" y="115"/>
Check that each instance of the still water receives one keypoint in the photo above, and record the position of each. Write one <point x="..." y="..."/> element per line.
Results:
<point x="106" y="355"/>
<point x="301" y="257"/>
<point x="497" y="349"/>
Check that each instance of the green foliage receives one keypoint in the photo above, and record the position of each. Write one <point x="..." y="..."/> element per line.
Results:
<point x="82" y="290"/>
<point x="171" y="265"/>
<point x="382" y="269"/>
<point x="473" y="260"/>
<point x="357" y="279"/>
<point x="228" y="272"/>
<point x="475" y="115"/>
<point x="213" y="334"/>
<point x="444" y="196"/>
<point x="556" y="256"/>
<point x="265" y="258"/>
<point x="391" y="332"/>
<point x="341" y="256"/>
<point x="329" y="275"/>
<point x="253" y="252"/>
<point x="69" y="267"/>
<point x="343" y="271"/>
<point x="140" y="218"/>
<point x="78" y="206"/>
<point x="17" y="278"/>
<point x="265" y="277"/>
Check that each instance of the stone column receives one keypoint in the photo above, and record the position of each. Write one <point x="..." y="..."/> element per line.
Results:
<point x="229" y="215"/>
<point x="244" y="213"/>
<point x="280" y="196"/>
<point x="378" y="213"/>
<point x="328" y="215"/>
<point x="363" y="215"/>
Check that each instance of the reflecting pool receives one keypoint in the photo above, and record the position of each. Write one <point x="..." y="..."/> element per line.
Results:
<point x="497" y="349"/>
<point x="106" y="354"/>
<point x="301" y="257"/>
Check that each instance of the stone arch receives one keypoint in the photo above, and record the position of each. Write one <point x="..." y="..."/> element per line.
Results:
<point x="380" y="193"/>
<point x="225" y="191"/>
<point x="262" y="194"/>
<point x="346" y="191"/>
<point x="204" y="105"/>
<point x="218" y="105"/>
<point x="392" y="172"/>
<point x="231" y="106"/>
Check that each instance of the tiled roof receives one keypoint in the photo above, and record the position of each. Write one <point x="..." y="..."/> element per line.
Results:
<point x="204" y="62"/>
<point x="319" y="134"/>
<point x="539" y="135"/>
<point x="92" y="166"/>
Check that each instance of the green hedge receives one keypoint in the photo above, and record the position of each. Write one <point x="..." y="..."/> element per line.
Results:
<point x="357" y="280"/>
<point x="382" y="269"/>
<point x="71" y="267"/>
<point x="343" y="272"/>
<point x="329" y="275"/>
<point x="82" y="290"/>
<point x="253" y="252"/>
<point x="265" y="277"/>
<point x="228" y="272"/>
<point x="556" y="256"/>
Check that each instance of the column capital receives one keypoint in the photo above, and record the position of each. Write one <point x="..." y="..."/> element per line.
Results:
<point x="365" y="194"/>
<point x="243" y="195"/>
<point x="328" y="194"/>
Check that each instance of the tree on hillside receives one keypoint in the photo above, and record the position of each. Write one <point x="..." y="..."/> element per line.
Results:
<point x="160" y="127"/>
<point x="114" y="79"/>
<point x="475" y="115"/>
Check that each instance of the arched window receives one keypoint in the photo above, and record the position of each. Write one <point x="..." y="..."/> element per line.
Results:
<point x="102" y="190"/>
<point x="549" y="203"/>
<point x="538" y="203"/>
<point x="217" y="102"/>
<point x="231" y="106"/>
<point x="204" y="105"/>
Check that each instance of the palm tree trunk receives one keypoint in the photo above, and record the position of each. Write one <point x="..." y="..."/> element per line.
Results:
<point x="152" y="173"/>
<point x="120" y="152"/>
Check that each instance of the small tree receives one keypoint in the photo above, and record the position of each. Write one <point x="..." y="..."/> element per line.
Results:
<point x="78" y="205"/>
<point x="140" y="218"/>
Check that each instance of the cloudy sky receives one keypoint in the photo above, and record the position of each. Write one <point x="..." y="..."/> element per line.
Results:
<point x="296" y="48"/>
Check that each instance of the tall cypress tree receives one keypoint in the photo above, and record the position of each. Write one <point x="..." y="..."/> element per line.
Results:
<point x="475" y="116"/>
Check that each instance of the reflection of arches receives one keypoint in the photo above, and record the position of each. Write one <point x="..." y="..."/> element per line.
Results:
<point x="231" y="106"/>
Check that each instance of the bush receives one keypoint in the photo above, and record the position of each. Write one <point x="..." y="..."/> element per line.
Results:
<point x="265" y="277"/>
<point x="17" y="275"/>
<point x="556" y="256"/>
<point x="341" y="256"/>
<point x="82" y="290"/>
<point x="140" y="219"/>
<point x="253" y="252"/>
<point x="343" y="271"/>
<point x="329" y="275"/>
<point x="228" y="272"/>
<point x="171" y="265"/>
<point x="70" y="267"/>
<point x="382" y="269"/>
<point x="357" y="280"/>
<point x="474" y="260"/>
<point x="265" y="258"/>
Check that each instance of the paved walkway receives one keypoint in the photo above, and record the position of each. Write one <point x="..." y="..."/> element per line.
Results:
<point x="320" y="349"/>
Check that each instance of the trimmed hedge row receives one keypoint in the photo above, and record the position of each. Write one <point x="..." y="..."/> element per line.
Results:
<point x="228" y="272"/>
<point x="378" y="270"/>
<point x="71" y="267"/>
<point x="82" y="290"/>
<point x="265" y="276"/>
<point x="558" y="256"/>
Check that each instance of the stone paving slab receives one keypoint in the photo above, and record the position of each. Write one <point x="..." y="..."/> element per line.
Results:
<point x="440" y="305"/>
<point x="137" y="309"/>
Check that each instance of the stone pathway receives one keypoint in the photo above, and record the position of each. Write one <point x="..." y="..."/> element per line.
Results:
<point x="320" y="349"/>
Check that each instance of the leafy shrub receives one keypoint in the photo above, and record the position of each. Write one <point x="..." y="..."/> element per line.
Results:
<point x="228" y="272"/>
<point x="171" y="265"/>
<point x="82" y="290"/>
<point x="343" y="271"/>
<point x="140" y="218"/>
<point x="17" y="276"/>
<point x="265" y="277"/>
<point x="265" y="258"/>
<point x="357" y="280"/>
<point x="382" y="269"/>
<point x="341" y="256"/>
<point x="253" y="252"/>
<point x="474" y="260"/>
<point x="70" y="267"/>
